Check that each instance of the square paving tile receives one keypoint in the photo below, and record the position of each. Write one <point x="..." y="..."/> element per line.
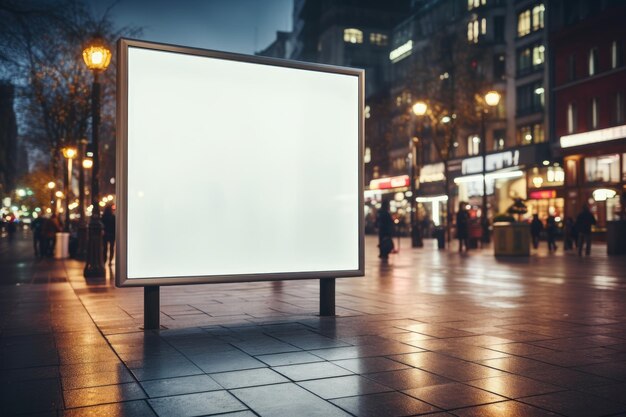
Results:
<point x="104" y="394"/>
<point x="192" y="405"/>
<point x="289" y="358"/>
<point x="502" y="409"/>
<point x="514" y="386"/>
<point x="343" y="386"/>
<point x="125" y="409"/>
<point x="286" y="400"/>
<point x="576" y="404"/>
<point x="181" y="385"/>
<point x="248" y="378"/>
<point x="453" y="395"/>
<point x="389" y="404"/>
<point x="370" y="365"/>
<point x="226" y="361"/>
<point x="404" y="379"/>
<point x="305" y="371"/>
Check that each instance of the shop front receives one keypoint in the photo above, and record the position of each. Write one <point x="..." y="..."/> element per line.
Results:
<point x="397" y="191"/>
<point x="595" y="174"/>
<point x="546" y="195"/>
<point x="432" y="198"/>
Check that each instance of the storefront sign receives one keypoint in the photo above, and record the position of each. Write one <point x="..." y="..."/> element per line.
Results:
<point x="495" y="161"/>
<point x="432" y="173"/>
<point x="390" y="182"/>
<point x="587" y="138"/>
<point x="539" y="195"/>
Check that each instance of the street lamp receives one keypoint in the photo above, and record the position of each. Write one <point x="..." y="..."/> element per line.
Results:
<point x="419" y="109"/>
<point x="51" y="186"/>
<point x="492" y="99"/>
<point x="69" y="153"/>
<point x="97" y="57"/>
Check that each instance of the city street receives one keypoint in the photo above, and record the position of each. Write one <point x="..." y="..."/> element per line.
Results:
<point x="429" y="332"/>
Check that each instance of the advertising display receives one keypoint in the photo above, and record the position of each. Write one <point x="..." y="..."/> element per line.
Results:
<point x="234" y="168"/>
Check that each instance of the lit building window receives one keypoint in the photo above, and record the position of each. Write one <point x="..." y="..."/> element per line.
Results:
<point x="523" y="23"/>
<point x="531" y="20"/>
<point x="571" y="118"/>
<point x="378" y="39"/>
<point x="538" y="17"/>
<point x="352" y="35"/>
<point x="525" y="135"/>
<point x="594" y="113"/>
<point x="538" y="133"/>
<point x="483" y="26"/>
<point x="473" y="31"/>
<point x="616" y="54"/>
<point x="472" y="4"/>
<point x="603" y="168"/>
<point x="593" y="61"/>
<point x="539" y="56"/>
<point x="529" y="134"/>
<point x="473" y="145"/>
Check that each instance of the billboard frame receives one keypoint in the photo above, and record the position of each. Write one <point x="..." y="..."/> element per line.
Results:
<point x="121" y="279"/>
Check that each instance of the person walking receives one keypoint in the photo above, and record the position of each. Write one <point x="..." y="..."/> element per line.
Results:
<point x="462" y="227"/>
<point x="384" y="222"/>
<point x="583" y="224"/>
<point x="535" y="230"/>
<point x="35" y="226"/>
<point x="49" y="230"/>
<point x="108" y="238"/>
<point x="551" y="233"/>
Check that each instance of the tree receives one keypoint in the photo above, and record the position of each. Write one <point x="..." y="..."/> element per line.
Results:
<point x="41" y="47"/>
<point x="448" y="75"/>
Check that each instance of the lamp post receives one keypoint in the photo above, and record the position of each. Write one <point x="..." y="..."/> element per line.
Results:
<point x="81" y="251"/>
<point x="69" y="153"/>
<point x="419" y="109"/>
<point x="492" y="98"/>
<point x="97" y="58"/>
<point x="51" y="186"/>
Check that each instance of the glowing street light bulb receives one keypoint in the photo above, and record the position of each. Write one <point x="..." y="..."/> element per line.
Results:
<point x="51" y="185"/>
<point x="87" y="163"/>
<point x="492" y="98"/>
<point x="69" y="152"/>
<point x="420" y="108"/>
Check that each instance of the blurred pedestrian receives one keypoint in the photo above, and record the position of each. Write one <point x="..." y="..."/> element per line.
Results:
<point x="108" y="238"/>
<point x="11" y="228"/>
<point x="583" y="224"/>
<point x="535" y="230"/>
<point x="384" y="222"/>
<point x="462" y="227"/>
<point x="35" y="227"/>
<point x="49" y="230"/>
<point x="551" y="232"/>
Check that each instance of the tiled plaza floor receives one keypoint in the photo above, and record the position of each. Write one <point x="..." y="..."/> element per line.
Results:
<point x="431" y="332"/>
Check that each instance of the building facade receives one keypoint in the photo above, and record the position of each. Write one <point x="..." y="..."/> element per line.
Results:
<point x="589" y="89"/>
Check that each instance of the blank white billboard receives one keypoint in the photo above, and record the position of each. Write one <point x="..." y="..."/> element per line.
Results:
<point x="236" y="168"/>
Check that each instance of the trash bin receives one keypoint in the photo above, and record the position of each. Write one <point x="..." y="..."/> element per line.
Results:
<point x="616" y="237"/>
<point x="61" y="248"/>
<point x="440" y="235"/>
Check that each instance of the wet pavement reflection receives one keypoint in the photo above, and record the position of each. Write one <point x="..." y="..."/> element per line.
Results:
<point x="428" y="332"/>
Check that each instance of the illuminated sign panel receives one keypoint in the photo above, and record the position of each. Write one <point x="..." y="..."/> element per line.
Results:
<point x="390" y="182"/>
<point x="205" y="137"/>
<point x="539" y="195"/>
<point x="401" y="51"/>
<point x="595" y="136"/>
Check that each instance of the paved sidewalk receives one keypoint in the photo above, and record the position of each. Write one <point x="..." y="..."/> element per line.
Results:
<point x="431" y="332"/>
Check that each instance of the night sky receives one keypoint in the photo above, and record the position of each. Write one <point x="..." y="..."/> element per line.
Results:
<point x="243" y="26"/>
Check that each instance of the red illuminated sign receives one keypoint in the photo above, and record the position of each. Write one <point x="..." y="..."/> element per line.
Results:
<point x="390" y="182"/>
<point x="538" y="195"/>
